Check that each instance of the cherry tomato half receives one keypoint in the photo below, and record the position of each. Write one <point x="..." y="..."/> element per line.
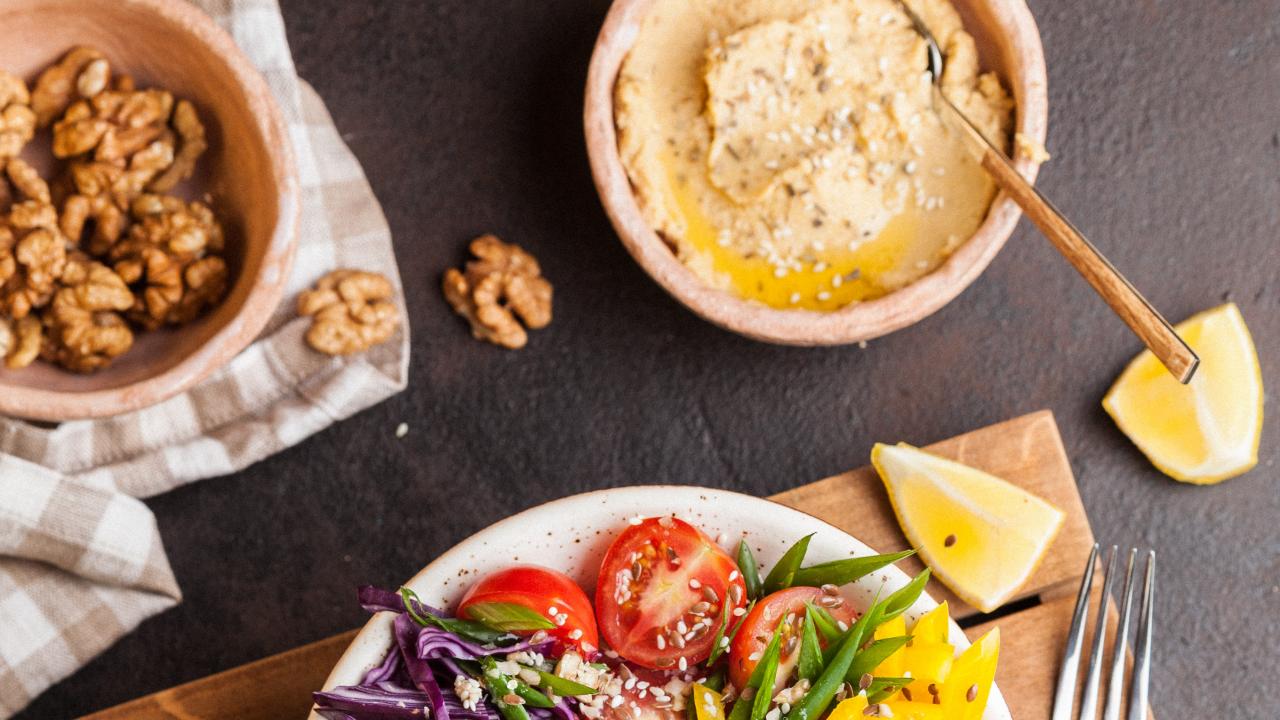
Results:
<point x="773" y="610"/>
<point x="551" y="594"/>
<point x="661" y="590"/>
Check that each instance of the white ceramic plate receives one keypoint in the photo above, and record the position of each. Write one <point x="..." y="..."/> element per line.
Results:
<point x="572" y="534"/>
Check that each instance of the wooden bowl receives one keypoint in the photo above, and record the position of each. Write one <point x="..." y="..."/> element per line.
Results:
<point x="248" y="170"/>
<point x="1008" y="43"/>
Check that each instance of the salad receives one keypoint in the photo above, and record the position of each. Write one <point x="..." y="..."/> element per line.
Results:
<point x="679" y="629"/>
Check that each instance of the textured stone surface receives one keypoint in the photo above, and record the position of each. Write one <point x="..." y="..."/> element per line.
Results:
<point x="466" y="115"/>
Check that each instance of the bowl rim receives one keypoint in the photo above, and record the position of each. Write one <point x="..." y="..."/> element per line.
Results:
<point x="850" y="324"/>
<point x="370" y="644"/>
<point x="267" y="290"/>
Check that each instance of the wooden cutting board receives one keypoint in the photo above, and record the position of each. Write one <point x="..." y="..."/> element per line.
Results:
<point x="1027" y="451"/>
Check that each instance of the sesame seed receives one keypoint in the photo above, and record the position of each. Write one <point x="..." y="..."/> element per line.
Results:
<point x="864" y="682"/>
<point x="693" y="583"/>
<point x="660" y="641"/>
<point x="402" y="429"/>
<point x="739" y="612"/>
<point x="823" y="296"/>
<point x="971" y="694"/>
<point x="576" y="634"/>
<point x="552" y="611"/>
<point x="844" y="626"/>
<point x="683" y="664"/>
<point x="733" y="576"/>
<point x="949" y="541"/>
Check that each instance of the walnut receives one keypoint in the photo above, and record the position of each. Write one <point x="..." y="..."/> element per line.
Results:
<point x="26" y="337"/>
<point x="351" y="312"/>
<point x="164" y="259"/>
<point x="503" y="284"/>
<point x="94" y="214"/>
<point x="113" y="125"/>
<point x="33" y="251"/>
<point x="83" y="329"/>
<point x="17" y="120"/>
<point x="186" y="122"/>
<point x="82" y="73"/>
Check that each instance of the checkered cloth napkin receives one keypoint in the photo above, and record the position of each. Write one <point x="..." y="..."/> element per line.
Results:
<point x="81" y="562"/>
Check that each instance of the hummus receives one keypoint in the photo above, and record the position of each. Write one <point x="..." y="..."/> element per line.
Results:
<point x="788" y="149"/>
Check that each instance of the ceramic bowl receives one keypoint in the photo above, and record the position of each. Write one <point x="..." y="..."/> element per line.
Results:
<point x="248" y="171"/>
<point x="572" y="534"/>
<point x="1008" y="43"/>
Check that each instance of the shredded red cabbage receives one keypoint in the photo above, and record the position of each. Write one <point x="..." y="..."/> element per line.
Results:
<point x="418" y="672"/>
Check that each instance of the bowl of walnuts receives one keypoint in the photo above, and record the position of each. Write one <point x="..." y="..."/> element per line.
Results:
<point x="148" y="204"/>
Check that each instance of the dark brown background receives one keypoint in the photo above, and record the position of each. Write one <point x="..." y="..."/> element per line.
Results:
<point x="1165" y="126"/>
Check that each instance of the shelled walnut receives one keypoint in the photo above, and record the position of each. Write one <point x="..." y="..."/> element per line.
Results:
<point x="351" y="312"/>
<point x="166" y="259"/>
<point x="84" y="331"/>
<point x="82" y="73"/>
<point x="504" y="283"/>
<point x="17" y="119"/>
<point x="33" y="251"/>
<point x="104" y="251"/>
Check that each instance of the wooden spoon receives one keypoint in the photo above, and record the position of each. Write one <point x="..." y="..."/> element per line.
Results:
<point x="1143" y="319"/>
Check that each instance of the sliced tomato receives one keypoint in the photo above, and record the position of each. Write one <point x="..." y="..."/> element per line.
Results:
<point x="661" y="590"/>
<point x="785" y="608"/>
<point x="551" y="594"/>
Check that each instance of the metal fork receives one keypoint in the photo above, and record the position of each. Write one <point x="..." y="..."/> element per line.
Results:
<point x="1064" y="698"/>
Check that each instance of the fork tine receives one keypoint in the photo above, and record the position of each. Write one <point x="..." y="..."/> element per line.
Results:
<point x="1089" y="698"/>
<point x="1064" y="697"/>
<point x="1115" y="683"/>
<point x="1142" y="662"/>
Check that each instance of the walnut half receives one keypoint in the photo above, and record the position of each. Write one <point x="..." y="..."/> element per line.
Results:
<point x="351" y="312"/>
<point x="504" y="283"/>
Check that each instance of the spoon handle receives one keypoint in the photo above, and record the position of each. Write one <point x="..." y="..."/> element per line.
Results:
<point x="1143" y="319"/>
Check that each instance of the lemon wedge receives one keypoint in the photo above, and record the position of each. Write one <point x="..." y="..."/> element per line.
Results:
<point x="1208" y="430"/>
<point x="982" y="536"/>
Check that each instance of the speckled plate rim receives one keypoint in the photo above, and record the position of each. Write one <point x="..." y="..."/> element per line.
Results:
<point x="1026" y="77"/>
<point x="578" y="528"/>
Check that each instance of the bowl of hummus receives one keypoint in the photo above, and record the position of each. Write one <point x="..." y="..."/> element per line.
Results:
<point x="780" y="168"/>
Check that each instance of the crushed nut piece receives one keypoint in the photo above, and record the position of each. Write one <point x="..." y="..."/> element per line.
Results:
<point x="28" y="334"/>
<point x="84" y="331"/>
<point x="33" y="251"/>
<point x="17" y="119"/>
<point x="186" y="123"/>
<point x="503" y="283"/>
<point x="62" y="84"/>
<point x="352" y="311"/>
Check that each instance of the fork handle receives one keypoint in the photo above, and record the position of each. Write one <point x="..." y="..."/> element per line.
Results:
<point x="1136" y="312"/>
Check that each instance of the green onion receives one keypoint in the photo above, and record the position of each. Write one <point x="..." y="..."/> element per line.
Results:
<point x="466" y="629"/>
<point x="508" y="617"/>
<point x="764" y="691"/>
<point x="861" y="629"/>
<point x="749" y="570"/>
<point x="742" y="708"/>
<point x="496" y="683"/>
<point x="899" y="601"/>
<point x="563" y="686"/>
<point x="882" y="688"/>
<point x="825" y="623"/>
<point x="810" y="662"/>
<point x="815" y="702"/>
<point x="717" y="642"/>
<point x="870" y="658"/>
<point x="783" y="574"/>
<point x="843" y="572"/>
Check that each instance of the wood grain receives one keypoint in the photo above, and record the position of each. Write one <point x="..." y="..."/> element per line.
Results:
<point x="1027" y="451"/>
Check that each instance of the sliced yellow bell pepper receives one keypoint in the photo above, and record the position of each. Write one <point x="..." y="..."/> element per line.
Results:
<point x="892" y="665"/>
<point x="707" y="703"/>
<point x="932" y="628"/>
<point x="916" y="710"/>
<point x="850" y="709"/>
<point x="967" y="687"/>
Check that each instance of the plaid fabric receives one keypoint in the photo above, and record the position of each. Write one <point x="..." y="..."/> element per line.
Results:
<point x="81" y="562"/>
